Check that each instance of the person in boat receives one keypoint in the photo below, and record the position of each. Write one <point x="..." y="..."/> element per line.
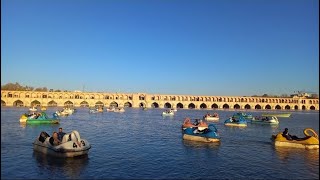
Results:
<point x="187" y="123"/>
<point x="202" y="126"/>
<point x="288" y="136"/>
<point x="54" y="141"/>
<point x="60" y="134"/>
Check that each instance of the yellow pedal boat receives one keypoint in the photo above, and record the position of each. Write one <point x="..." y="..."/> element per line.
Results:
<point x="307" y="142"/>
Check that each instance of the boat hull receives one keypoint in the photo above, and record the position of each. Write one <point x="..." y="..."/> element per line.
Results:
<point x="235" y="124"/>
<point x="278" y="115"/>
<point x="199" y="138"/>
<point x="211" y="118"/>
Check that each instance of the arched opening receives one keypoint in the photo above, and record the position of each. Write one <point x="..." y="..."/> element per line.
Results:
<point x="99" y="104"/>
<point x="155" y="105"/>
<point x="247" y="106"/>
<point x="296" y="107"/>
<point x="17" y="103"/>
<point x="312" y="108"/>
<point x="287" y="107"/>
<point x="225" y="106"/>
<point x="268" y="107"/>
<point x="203" y="106"/>
<point x="84" y="104"/>
<point x="113" y="104"/>
<point x="236" y="106"/>
<point x="191" y="106"/>
<point x="127" y="104"/>
<point x="303" y="107"/>
<point x="52" y="104"/>
<point x="257" y="106"/>
<point x="35" y="103"/>
<point x="179" y="105"/>
<point x="167" y="105"/>
<point x="278" y="107"/>
<point x="68" y="104"/>
<point x="142" y="105"/>
<point x="214" y="106"/>
<point x="4" y="103"/>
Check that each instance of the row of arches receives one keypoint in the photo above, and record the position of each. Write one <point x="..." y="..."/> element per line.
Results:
<point x="19" y="103"/>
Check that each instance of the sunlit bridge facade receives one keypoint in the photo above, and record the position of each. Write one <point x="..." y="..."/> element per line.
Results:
<point x="138" y="100"/>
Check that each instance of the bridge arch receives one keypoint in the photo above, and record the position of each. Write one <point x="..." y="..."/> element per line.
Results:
<point x="225" y="106"/>
<point x="296" y="107"/>
<point x="287" y="107"/>
<point x="113" y="104"/>
<point x="52" y="104"/>
<point x="68" y="104"/>
<point x="257" y="106"/>
<point x="180" y="105"/>
<point x="35" y="103"/>
<point x="142" y="105"/>
<point x="191" y="106"/>
<point x="268" y="106"/>
<point x="312" y="108"/>
<point x="236" y="106"/>
<point x="214" y="106"/>
<point x="247" y="106"/>
<point x="303" y="107"/>
<point x="203" y="106"/>
<point x="127" y="104"/>
<point x="155" y="105"/>
<point x="3" y="103"/>
<point x="84" y="104"/>
<point x="17" y="103"/>
<point x="99" y="104"/>
<point x="167" y="105"/>
<point x="278" y="107"/>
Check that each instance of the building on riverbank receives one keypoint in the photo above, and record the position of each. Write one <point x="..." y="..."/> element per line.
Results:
<point x="136" y="100"/>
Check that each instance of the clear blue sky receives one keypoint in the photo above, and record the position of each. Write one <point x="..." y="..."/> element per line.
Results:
<point x="191" y="47"/>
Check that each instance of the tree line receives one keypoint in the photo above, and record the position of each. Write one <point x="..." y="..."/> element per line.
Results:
<point x="17" y="87"/>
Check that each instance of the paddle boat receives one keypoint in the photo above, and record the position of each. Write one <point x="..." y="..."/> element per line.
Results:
<point x="265" y="120"/>
<point x="168" y="113"/>
<point x="119" y="110"/>
<point x="39" y="118"/>
<point x="200" y="132"/>
<point x="69" y="110"/>
<point x="307" y="142"/>
<point x="111" y="109"/>
<point x="277" y="114"/>
<point x="244" y="115"/>
<point x="236" y="121"/>
<point x="211" y="117"/>
<point x="174" y="109"/>
<point x="62" y="113"/>
<point x="33" y="109"/>
<point x="72" y="145"/>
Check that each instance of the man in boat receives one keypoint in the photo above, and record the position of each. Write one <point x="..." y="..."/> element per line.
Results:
<point x="60" y="134"/>
<point x="288" y="136"/>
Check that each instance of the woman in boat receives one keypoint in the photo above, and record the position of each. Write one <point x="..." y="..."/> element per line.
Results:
<point x="288" y="136"/>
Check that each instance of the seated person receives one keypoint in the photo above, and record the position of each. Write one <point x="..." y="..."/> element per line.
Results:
<point x="288" y="136"/>
<point x="187" y="123"/>
<point x="60" y="134"/>
<point x="202" y="125"/>
<point x="54" y="141"/>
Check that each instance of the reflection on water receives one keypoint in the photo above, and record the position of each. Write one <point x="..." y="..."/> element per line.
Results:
<point x="284" y="153"/>
<point x="195" y="144"/>
<point x="71" y="167"/>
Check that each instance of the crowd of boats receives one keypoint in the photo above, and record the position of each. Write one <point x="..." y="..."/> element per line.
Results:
<point x="202" y="129"/>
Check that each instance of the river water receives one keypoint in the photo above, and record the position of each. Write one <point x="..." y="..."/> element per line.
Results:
<point x="140" y="144"/>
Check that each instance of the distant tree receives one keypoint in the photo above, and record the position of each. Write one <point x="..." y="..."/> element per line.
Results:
<point x="265" y="95"/>
<point x="58" y="90"/>
<point x="284" y="95"/>
<point x="314" y="96"/>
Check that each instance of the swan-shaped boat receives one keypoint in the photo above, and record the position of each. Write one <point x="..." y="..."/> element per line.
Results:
<point x="233" y="121"/>
<point x="307" y="142"/>
<point x="39" y="118"/>
<point x="209" y="134"/>
<point x="168" y="113"/>
<point x="265" y="120"/>
<point x="277" y="114"/>
<point x="72" y="145"/>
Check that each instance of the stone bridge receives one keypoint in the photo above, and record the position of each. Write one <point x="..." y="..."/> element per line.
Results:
<point x="136" y="100"/>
